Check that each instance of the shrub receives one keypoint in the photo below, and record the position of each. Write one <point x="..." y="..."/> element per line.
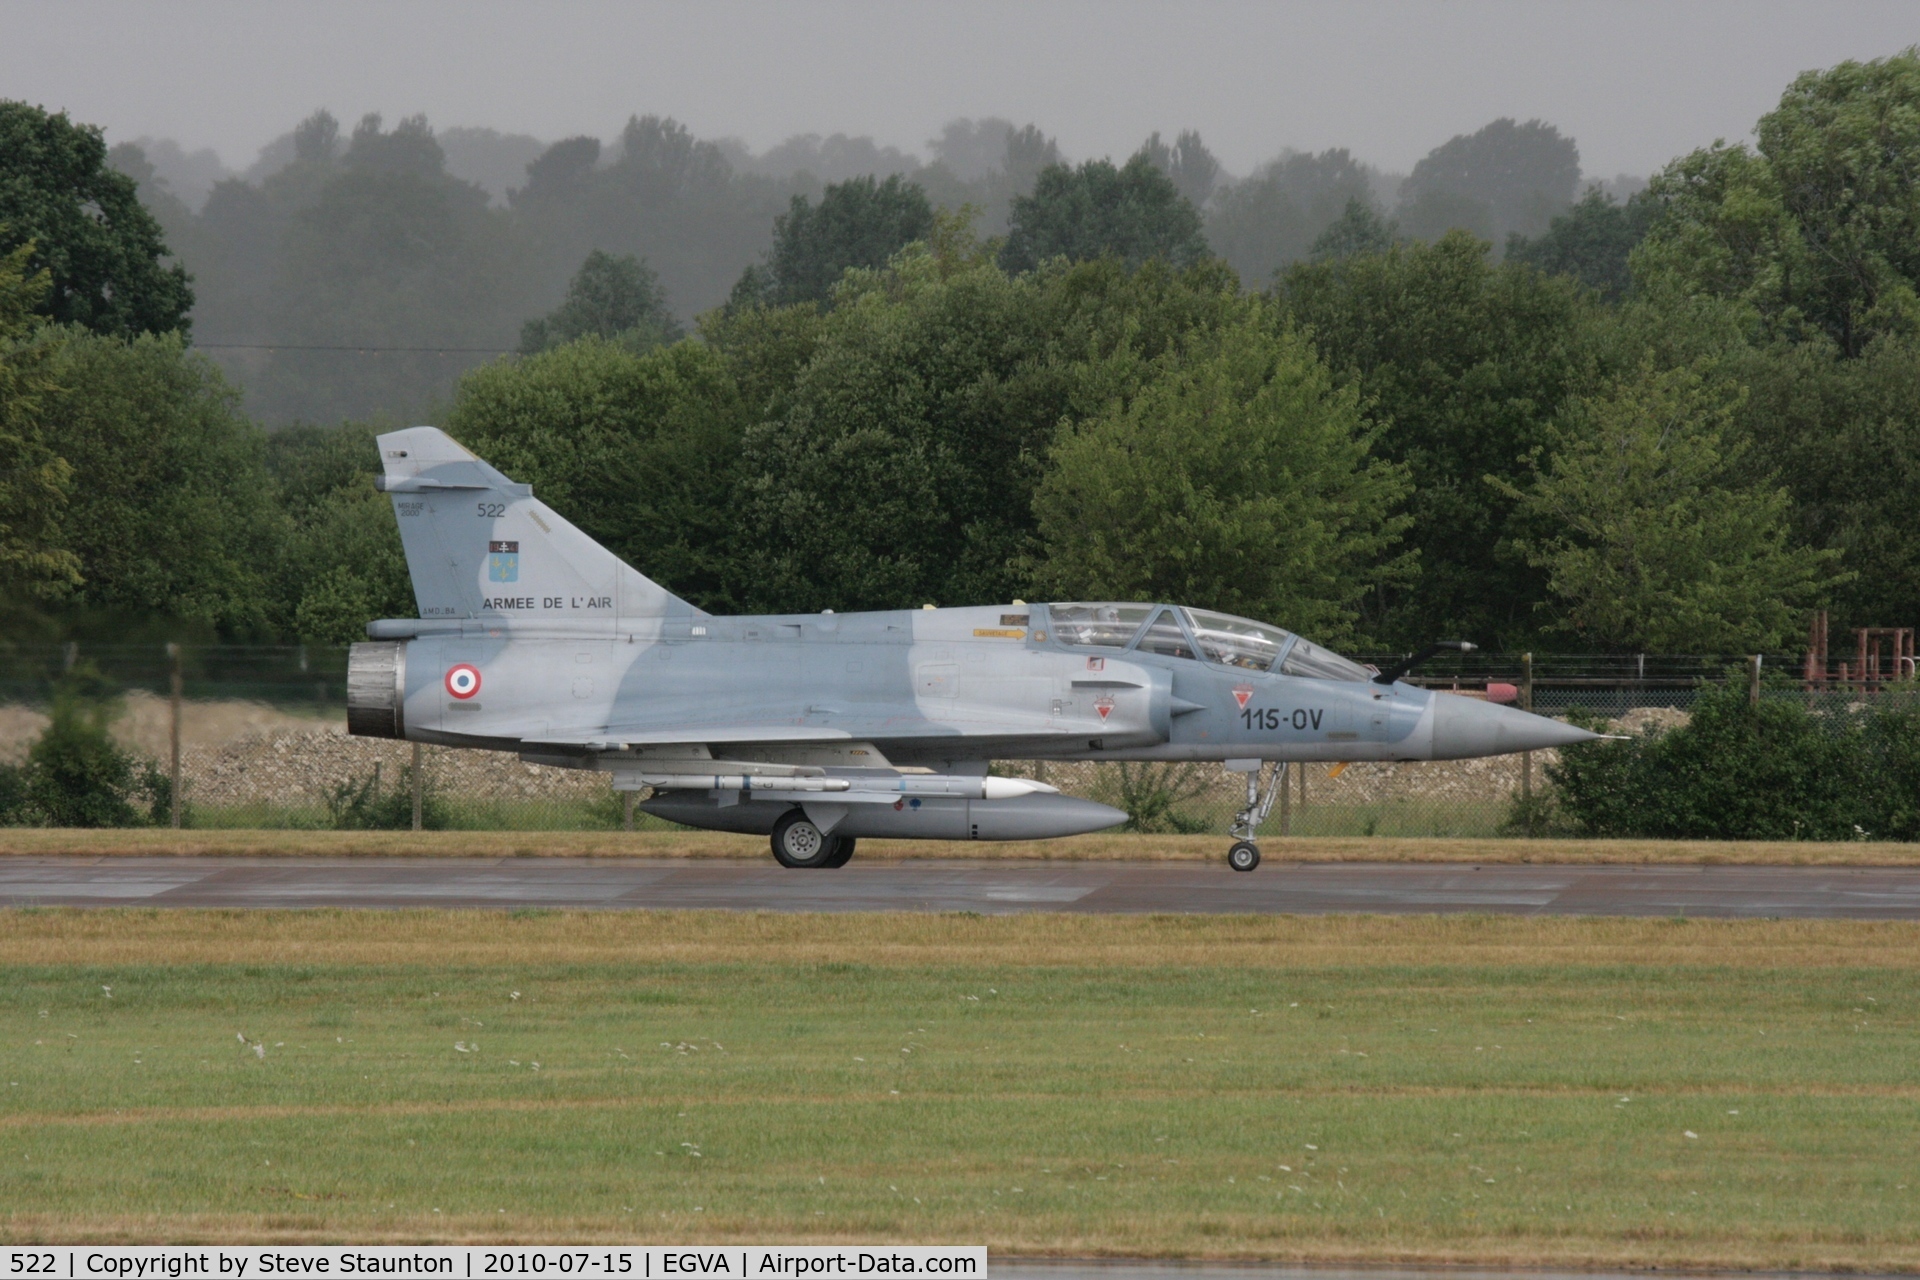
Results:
<point x="1893" y="756"/>
<point x="14" y="810"/>
<point x="1784" y="770"/>
<point x="76" y="775"/>
<point x="361" y="805"/>
<point x="1152" y="795"/>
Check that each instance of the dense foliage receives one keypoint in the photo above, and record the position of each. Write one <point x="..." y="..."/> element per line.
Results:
<point x="1678" y="422"/>
<point x="75" y="774"/>
<point x="1781" y="770"/>
<point x="84" y="226"/>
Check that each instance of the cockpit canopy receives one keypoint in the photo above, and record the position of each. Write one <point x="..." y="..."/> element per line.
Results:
<point x="1220" y="638"/>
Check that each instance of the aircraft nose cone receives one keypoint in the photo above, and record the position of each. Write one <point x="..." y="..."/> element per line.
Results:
<point x="1467" y="727"/>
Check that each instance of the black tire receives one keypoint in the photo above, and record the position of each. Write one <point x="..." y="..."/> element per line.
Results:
<point x="1244" y="856"/>
<point x="842" y="851"/>
<point x="798" y="844"/>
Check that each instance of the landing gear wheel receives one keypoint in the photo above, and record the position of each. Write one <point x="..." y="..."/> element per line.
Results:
<point x="842" y="851"/>
<point x="797" y="843"/>
<point x="1244" y="856"/>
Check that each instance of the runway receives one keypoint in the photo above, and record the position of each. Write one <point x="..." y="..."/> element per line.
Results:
<point x="991" y="888"/>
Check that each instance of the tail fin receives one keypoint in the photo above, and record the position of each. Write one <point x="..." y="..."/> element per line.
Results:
<point x="480" y="546"/>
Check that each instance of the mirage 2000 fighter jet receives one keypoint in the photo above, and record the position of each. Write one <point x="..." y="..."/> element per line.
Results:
<point x="816" y="729"/>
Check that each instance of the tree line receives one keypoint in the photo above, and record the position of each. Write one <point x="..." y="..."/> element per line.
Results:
<point x="1670" y="424"/>
<point x="357" y="272"/>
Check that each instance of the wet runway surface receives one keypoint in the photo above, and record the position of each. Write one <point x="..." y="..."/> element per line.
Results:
<point x="993" y="888"/>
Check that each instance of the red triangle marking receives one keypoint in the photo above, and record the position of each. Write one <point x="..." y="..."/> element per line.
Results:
<point x="1241" y="692"/>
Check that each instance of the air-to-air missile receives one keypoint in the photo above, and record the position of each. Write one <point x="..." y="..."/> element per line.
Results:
<point x="816" y="729"/>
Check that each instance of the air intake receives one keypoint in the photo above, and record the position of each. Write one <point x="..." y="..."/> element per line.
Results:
<point x="377" y="689"/>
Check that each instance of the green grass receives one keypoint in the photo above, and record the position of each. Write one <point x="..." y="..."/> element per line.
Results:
<point x="1433" y="819"/>
<point x="957" y="1080"/>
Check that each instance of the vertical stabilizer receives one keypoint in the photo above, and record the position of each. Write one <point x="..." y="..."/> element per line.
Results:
<point x="480" y="546"/>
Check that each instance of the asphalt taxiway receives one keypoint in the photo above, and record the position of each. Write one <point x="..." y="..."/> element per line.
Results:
<point x="1860" y="893"/>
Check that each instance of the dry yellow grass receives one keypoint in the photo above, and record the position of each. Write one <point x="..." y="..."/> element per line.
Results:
<point x="139" y="936"/>
<point x="1124" y="847"/>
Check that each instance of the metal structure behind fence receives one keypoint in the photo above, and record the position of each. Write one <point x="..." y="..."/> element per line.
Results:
<point x="255" y="736"/>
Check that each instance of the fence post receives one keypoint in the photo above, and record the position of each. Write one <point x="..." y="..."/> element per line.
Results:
<point x="1753" y="681"/>
<point x="173" y="652"/>
<point x="416" y="785"/>
<point x="1526" y="757"/>
<point x="626" y="805"/>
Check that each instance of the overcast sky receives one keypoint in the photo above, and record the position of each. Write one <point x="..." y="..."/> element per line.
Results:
<point x="1634" y="82"/>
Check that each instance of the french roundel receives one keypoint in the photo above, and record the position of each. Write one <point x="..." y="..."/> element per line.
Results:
<point x="463" y="680"/>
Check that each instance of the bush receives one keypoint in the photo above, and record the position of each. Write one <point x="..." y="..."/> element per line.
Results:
<point x="361" y="804"/>
<point x="1893" y="754"/>
<point x="76" y="775"/>
<point x="1784" y="770"/>
<point x="1152" y="795"/>
<point x="13" y="796"/>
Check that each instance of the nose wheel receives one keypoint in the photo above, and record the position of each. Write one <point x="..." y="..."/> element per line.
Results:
<point x="1244" y="855"/>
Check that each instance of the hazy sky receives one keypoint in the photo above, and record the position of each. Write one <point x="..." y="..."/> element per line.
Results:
<point x="1634" y="82"/>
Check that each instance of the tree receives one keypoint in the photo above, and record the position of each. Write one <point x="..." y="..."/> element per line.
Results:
<point x="171" y="512"/>
<point x="1193" y="170"/>
<point x="896" y="464"/>
<point x="1465" y="364"/>
<point x="972" y="149"/>
<point x="1274" y="217"/>
<point x="1237" y="477"/>
<point x="1134" y="213"/>
<point x="393" y="278"/>
<point x="1843" y="437"/>
<point x="1818" y="231"/>
<point x="176" y="221"/>
<point x="34" y="480"/>
<point x="639" y="450"/>
<point x="1519" y="174"/>
<point x="659" y="193"/>
<point x="102" y="251"/>
<point x="1358" y="230"/>
<point x="1844" y="146"/>
<point x="617" y="298"/>
<point x="1648" y="539"/>
<point x="900" y="466"/>
<point x="1590" y="242"/>
<point x="342" y="562"/>
<point x="858" y="223"/>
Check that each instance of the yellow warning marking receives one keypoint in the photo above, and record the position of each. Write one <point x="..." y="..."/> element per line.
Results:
<point x="1337" y="769"/>
<point x="992" y="633"/>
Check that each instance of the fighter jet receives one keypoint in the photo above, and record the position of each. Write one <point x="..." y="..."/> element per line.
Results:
<point x="817" y="729"/>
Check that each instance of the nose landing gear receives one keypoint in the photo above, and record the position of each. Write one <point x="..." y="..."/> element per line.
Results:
<point x="1245" y="854"/>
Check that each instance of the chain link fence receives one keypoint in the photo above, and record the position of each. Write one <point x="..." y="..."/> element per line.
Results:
<point x="261" y="738"/>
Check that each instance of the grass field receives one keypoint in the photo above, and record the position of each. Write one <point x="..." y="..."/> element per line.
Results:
<point x="1443" y="1089"/>
<point x="23" y="841"/>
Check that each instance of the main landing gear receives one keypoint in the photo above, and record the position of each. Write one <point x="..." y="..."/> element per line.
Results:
<point x="798" y="843"/>
<point x="1244" y="855"/>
